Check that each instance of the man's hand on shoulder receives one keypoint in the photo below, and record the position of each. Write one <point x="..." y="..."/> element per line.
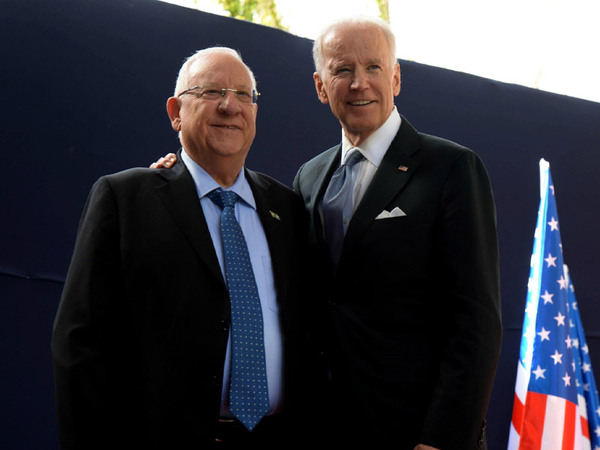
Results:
<point x="166" y="162"/>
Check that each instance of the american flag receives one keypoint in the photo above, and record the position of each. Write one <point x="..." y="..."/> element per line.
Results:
<point x="556" y="402"/>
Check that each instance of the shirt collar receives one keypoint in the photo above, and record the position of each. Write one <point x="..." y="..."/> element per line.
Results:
<point x="205" y="183"/>
<point x="376" y="145"/>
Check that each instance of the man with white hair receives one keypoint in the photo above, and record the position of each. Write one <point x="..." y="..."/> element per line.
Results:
<point x="406" y="230"/>
<point x="181" y="323"/>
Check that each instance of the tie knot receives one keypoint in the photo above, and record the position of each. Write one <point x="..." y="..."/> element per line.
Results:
<point x="223" y="198"/>
<point x="353" y="157"/>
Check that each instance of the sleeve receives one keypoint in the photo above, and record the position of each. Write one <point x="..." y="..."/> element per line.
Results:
<point x="469" y="267"/>
<point x="87" y="332"/>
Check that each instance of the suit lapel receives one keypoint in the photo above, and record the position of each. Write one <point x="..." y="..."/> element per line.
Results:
<point x="180" y="198"/>
<point x="323" y="172"/>
<point x="394" y="172"/>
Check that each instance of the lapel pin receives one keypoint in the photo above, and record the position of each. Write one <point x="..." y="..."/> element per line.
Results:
<point x="402" y="168"/>
<point x="275" y="215"/>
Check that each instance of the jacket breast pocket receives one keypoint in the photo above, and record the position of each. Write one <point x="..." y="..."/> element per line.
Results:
<point x="399" y="245"/>
<point x="402" y="225"/>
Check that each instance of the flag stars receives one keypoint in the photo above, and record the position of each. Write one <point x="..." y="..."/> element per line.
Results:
<point x="551" y="260"/>
<point x="553" y="224"/>
<point x="587" y="367"/>
<point x="562" y="282"/>
<point x="567" y="379"/>
<point x="539" y="372"/>
<point x="544" y="334"/>
<point x="557" y="357"/>
<point x="547" y="297"/>
<point x="568" y="341"/>
<point x="560" y="320"/>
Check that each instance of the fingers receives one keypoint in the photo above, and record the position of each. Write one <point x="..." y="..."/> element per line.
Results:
<point x="170" y="160"/>
<point x="165" y="162"/>
<point x="158" y="164"/>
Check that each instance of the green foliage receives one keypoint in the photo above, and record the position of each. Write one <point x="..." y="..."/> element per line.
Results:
<point x="265" y="11"/>
<point x="384" y="9"/>
<point x="258" y="11"/>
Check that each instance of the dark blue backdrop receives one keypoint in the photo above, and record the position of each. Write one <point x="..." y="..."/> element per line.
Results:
<point x="83" y="85"/>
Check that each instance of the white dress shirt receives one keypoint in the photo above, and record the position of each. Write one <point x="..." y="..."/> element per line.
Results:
<point x="260" y="258"/>
<point x="373" y="149"/>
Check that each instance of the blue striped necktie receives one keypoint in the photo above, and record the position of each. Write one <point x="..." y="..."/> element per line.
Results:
<point x="337" y="205"/>
<point x="248" y="395"/>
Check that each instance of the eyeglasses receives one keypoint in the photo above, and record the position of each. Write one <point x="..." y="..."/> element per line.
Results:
<point x="206" y="93"/>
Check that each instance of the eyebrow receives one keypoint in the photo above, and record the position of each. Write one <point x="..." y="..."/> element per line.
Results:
<point x="340" y="63"/>
<point x="218" y="86"/>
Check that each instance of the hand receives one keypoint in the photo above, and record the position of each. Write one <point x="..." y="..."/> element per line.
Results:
<point x="425" y="447"/>
<point x="166" y="162"/>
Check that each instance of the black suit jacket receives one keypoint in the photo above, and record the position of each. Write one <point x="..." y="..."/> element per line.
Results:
<point x="140" y="336"/>
<point x="414" y="307"/>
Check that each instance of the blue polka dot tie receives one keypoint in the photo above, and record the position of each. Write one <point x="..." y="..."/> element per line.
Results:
<point x="337" y="205"/>
<point x="248" y="395"/>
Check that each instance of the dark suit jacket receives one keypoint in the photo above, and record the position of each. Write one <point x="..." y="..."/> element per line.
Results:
<point x="141" y="332"/>
<point x="414" y="305"/>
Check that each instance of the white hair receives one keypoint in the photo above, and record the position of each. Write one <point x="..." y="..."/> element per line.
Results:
<point x="190" y="67"/>
<point x="381" y="24"/>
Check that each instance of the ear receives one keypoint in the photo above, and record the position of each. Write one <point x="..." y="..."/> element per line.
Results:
<point x="173" y="108"/>
<point x="320" y="87"/>
<point x="397" y="79"/>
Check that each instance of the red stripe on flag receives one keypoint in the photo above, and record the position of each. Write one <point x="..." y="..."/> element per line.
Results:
<point x="569" y="426"/>
<point x="517" y="415"/>
<point x="533" y="421"/>
<point x="585" y="427"/>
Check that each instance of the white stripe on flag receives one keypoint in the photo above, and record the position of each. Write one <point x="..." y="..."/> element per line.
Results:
<point x="513" y="438"/>
<point x="522" y="382"/>
<point x="554" y="422"/>
<point x="586" y="444"/>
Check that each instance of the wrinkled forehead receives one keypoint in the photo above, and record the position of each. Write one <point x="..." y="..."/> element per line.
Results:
<point x="348" y="43"/>
<point x="220" y="70"/>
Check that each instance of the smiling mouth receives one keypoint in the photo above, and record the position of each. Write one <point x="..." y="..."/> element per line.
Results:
<point x="360" y="103"/>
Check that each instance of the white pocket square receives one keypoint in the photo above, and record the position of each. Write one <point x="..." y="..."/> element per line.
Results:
<point x="396" y="212"/>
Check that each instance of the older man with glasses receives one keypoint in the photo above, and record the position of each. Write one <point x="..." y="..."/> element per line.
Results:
<point x="182" y="320"/>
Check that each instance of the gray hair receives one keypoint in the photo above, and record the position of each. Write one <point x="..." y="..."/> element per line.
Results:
<point x="381" y="24"/>
<point x="190" y="67"/>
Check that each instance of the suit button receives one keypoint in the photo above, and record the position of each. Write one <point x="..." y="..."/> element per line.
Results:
<point x="223" y="326"/>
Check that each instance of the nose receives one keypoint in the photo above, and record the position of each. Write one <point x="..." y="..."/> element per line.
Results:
<point x="359" y="81"/>
<point x="229" y="104"/>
